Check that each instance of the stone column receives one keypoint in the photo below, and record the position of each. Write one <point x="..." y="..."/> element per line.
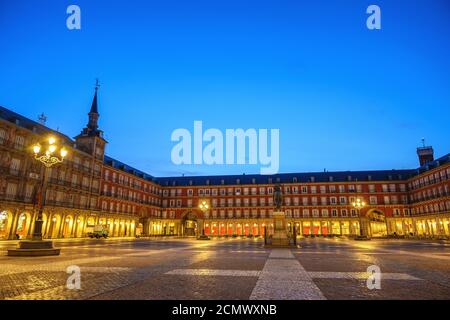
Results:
<point x="414" y="227"/>
<point x="14" y="224"/>
<point x="201" y="226"/>
<point x="388" y="226"/>
<point x="62" y="223"/>
<point x="438" y="227"/>
<point x="33" y="220"/>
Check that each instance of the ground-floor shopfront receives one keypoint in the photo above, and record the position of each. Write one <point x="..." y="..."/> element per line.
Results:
<point x="422" y="226"/>
<point x="300" y="227"/>
<point x="403" y="226"/>
<point x="70" y="223"/>
<point x="250" y="227"/>
<point x="63" y="223"/>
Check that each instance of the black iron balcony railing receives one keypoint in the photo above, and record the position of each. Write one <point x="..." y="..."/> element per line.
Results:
<point x="430" y="182"/>
<point x="430" y="197"/>
<point x="4" y="170"/>
<point x="97" y="173"/>
<point x="68" y="204"/>
<point x="16" y="198"/>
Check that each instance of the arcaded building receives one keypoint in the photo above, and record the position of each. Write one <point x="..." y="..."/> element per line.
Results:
<point x="90" y="189"/>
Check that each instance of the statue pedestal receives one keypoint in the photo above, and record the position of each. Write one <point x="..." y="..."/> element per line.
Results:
<point x="34" y="248"/>
<point x="280" y="238"/>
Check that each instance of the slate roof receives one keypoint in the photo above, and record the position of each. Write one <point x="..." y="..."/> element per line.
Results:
<point x="31" y="125"/>
<point x="340" y="176"/>
<point x="126" y="168"/>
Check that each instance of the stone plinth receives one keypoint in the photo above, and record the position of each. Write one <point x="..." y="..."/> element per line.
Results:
<point x="35" y="248"/>
<point x="279" y="238"/>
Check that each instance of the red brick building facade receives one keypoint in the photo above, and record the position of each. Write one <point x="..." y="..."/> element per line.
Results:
<point x="90" y="189"/>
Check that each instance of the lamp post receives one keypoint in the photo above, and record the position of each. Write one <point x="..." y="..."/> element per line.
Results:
<point x="204" y="207"/>
<point x="48" y="153"/>
<point x="359" y="204"/>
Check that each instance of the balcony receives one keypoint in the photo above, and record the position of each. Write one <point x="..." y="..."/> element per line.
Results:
<point x="59" y="182"/>
<point x="68" y="204"/>
<point x="431" y="197"/>
<point x="8" y="171"/>
<point x="16" y="198"/>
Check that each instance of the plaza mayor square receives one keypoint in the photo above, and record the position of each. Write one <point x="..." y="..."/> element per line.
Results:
<point x="238" y="152"/>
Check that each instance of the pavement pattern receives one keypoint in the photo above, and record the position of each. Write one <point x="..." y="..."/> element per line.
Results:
<point x="234" y="269"/>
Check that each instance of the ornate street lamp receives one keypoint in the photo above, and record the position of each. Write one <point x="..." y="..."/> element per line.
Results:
<point x="49" y="153"/>
<point x="204" y="207"/>
<point x="359" y="204"/>
<point x="50" y="156"/>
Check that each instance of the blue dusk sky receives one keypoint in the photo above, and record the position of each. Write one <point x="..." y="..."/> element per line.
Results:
<point x="344" y="97"/>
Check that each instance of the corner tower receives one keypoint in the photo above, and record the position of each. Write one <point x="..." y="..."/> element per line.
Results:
<point x="91" y="140"/>
<point x="425" y="153"/>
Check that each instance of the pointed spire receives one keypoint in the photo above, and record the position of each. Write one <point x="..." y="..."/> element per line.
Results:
<point x="91" y="129"/>
<point x="94" y="108"/>
<point x="93" y="114"/>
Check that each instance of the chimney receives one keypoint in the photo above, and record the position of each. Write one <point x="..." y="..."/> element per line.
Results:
<point x="425" y="153"/>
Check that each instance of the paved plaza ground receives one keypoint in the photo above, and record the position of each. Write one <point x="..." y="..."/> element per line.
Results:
<point x="188" y="269"/>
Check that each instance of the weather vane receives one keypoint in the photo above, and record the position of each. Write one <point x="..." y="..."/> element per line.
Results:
<point x="42" y="118"/>
<point x="97" y="84"/>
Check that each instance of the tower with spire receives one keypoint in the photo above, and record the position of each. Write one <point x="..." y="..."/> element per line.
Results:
<point x="91" y="140"/>
<point x="425" y="153"/>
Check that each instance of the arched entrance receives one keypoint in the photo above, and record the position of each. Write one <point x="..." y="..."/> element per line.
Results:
<point x="68" y="227"/>
<point x="139" y="230"/>
<point x="189" y="224"/>
<point x="5" y="224"/>
<point x="53" y="231"/>
<point x="377" y="219"/>
<point x="23" y="224"/>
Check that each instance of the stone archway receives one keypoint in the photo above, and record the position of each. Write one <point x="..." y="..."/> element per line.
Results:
<point x="23" y="225"/>
<point x="6" y="219"/>
<point x="54" y="225"/>
<point x="377" y="223"/>
<point x="189" y="224"/>
<point x="67" y="229"/>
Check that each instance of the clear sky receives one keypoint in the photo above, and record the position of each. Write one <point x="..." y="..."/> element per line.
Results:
<point x="344" y="97"/>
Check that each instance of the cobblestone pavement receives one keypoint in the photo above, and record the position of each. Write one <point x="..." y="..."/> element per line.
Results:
<point x="230" y="269"/>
